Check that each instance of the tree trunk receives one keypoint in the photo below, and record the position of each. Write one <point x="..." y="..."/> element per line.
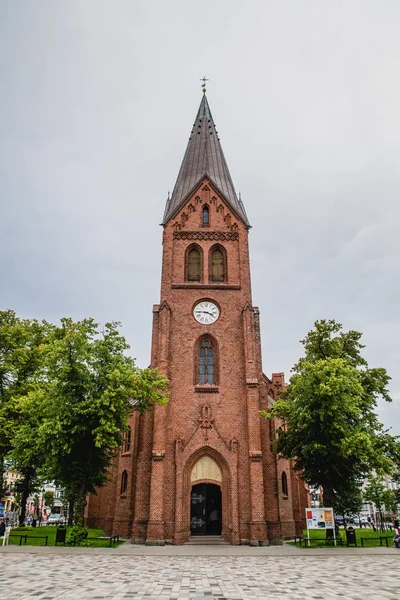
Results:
<point x="81" y="505"/>
<point x="26" y="488"/>
<point x="71" y="507"/>
<point x="329" y="496"/>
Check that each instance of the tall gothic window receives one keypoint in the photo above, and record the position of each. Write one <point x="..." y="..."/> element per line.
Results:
<point x="284" y="484"/>
<point x="126" y="445"/>
<point x="124" y="482"/>
<point x="206" y="362"/>
<point x="218" y="265"/>
<point x="206" y="215"/>
<point x="193" y="264"/>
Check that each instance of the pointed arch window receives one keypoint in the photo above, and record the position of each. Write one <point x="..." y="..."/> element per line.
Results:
<point x="205" y="215"/>
<point x="284" y="484"/>
<point x="126" y="445"/>
<point x="124" y="482"/>
<point x="218" y="264"/>
<point x="206" y="362"/>
<point x="193" y="263"/>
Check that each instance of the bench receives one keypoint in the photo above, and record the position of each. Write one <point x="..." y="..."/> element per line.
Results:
<point x="328" y="542"/>
<point x="381" y="538"/>
<point x="38" y="537"/>
<point x="298" y="538"/>
<point x="21" y="537"/>
<point x="113" y="539"/>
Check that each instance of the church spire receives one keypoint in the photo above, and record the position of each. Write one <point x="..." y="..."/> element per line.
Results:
<point x="204" y="158"/>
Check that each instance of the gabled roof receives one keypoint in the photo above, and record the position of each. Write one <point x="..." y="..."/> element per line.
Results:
<point x="204" y="158"/>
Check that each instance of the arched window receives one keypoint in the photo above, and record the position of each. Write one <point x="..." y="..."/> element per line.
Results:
<point x="124" y="482"/>
<point x="206" y="363"/>
<point x="284" y="484"/>
<point x="218" y="264"/>
<point x="126" y="445"/>
<point x="205" y="215"/>
<point x="193" y="263"/>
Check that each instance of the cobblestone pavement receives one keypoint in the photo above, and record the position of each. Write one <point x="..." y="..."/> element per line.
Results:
<point x="75" y="577"/>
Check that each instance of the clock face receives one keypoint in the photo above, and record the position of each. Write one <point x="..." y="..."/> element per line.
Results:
<point x="206" y="312"/>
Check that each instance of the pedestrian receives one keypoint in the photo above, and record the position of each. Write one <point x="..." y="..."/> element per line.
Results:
<point x="396" y="539"/>
<point x="2" y="527"/>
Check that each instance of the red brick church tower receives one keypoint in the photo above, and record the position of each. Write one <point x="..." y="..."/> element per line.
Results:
<point x="202" y="465"/>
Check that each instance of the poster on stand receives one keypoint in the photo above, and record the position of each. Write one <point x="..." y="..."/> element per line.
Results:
<point x="320" y="518"/>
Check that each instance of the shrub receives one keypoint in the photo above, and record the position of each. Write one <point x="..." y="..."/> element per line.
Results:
<point x="77" y="535"/>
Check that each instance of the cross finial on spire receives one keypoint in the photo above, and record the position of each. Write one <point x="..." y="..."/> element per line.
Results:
<point x="204" y="85"/>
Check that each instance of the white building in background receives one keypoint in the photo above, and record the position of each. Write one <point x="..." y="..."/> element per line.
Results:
<point x="8" y="502"/>
<point x="36" y="501"/>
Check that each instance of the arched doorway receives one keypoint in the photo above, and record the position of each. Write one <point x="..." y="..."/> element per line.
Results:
<point x="206" y="497"/>
<point x="206" y="509"/>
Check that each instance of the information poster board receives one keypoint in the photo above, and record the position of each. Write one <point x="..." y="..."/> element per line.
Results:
<point x="320" y="518"/>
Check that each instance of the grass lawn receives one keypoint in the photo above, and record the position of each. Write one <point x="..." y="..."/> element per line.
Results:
<point x="368" y="535"/>
<point x="35" y="536"/>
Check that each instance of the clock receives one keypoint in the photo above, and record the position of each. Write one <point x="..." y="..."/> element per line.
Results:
<point x="206" y="312"/>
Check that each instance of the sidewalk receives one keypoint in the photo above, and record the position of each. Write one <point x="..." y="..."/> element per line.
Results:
<point x="129" y="549"/>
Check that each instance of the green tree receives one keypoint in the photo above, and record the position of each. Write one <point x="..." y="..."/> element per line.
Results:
<point x="22" y="370"/>
<point x="349" y="500"/>
<point x="327" y="413"/>
<point x="49" y="499"/>
<point x="82" y="408"/>
<point x="383" y="498"/>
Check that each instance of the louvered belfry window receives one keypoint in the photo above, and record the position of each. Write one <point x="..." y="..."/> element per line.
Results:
<point x="217" y="266"/>
<point x="193" y="265"/>
<point x="206" y="363"/>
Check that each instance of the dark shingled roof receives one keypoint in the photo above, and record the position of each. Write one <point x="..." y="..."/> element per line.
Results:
<point x="204" y="158"/>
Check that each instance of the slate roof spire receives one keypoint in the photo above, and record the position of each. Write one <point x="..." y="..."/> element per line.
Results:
<point x="204" y="158"/>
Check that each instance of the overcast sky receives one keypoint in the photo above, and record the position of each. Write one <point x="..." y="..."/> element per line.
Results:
<point x="97" y="101"/>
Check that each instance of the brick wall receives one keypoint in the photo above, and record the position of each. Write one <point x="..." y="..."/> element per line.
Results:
<point x="166" y="443"/>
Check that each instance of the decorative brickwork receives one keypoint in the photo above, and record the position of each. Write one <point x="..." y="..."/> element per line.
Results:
<point x="215" y="236"/>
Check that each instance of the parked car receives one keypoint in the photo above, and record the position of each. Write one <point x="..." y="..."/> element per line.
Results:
<point x="55" y="519"/>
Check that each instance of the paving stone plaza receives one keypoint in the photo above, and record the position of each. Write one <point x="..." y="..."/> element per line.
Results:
<point x="318" y="575"/>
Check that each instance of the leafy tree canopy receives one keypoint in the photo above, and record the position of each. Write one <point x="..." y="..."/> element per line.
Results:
<point x="49" y="499"/>
<point x="349" y="499"/>
<point x="79" y="413"/>
<point x="21" y="368"/>
<point x="329" y="426"/>
<point x="380" y="495"/>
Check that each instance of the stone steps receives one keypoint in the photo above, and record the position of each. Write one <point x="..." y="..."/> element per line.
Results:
<point x="206" y="540"/>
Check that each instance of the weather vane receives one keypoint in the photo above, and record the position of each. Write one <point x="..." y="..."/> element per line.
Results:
<point x="203" y="85"/>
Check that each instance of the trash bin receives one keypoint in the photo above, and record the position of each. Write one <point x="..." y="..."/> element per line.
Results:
<point x="61" y="535"/>
<point x="351" y="536"/>
<point x="396" y="523"/>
